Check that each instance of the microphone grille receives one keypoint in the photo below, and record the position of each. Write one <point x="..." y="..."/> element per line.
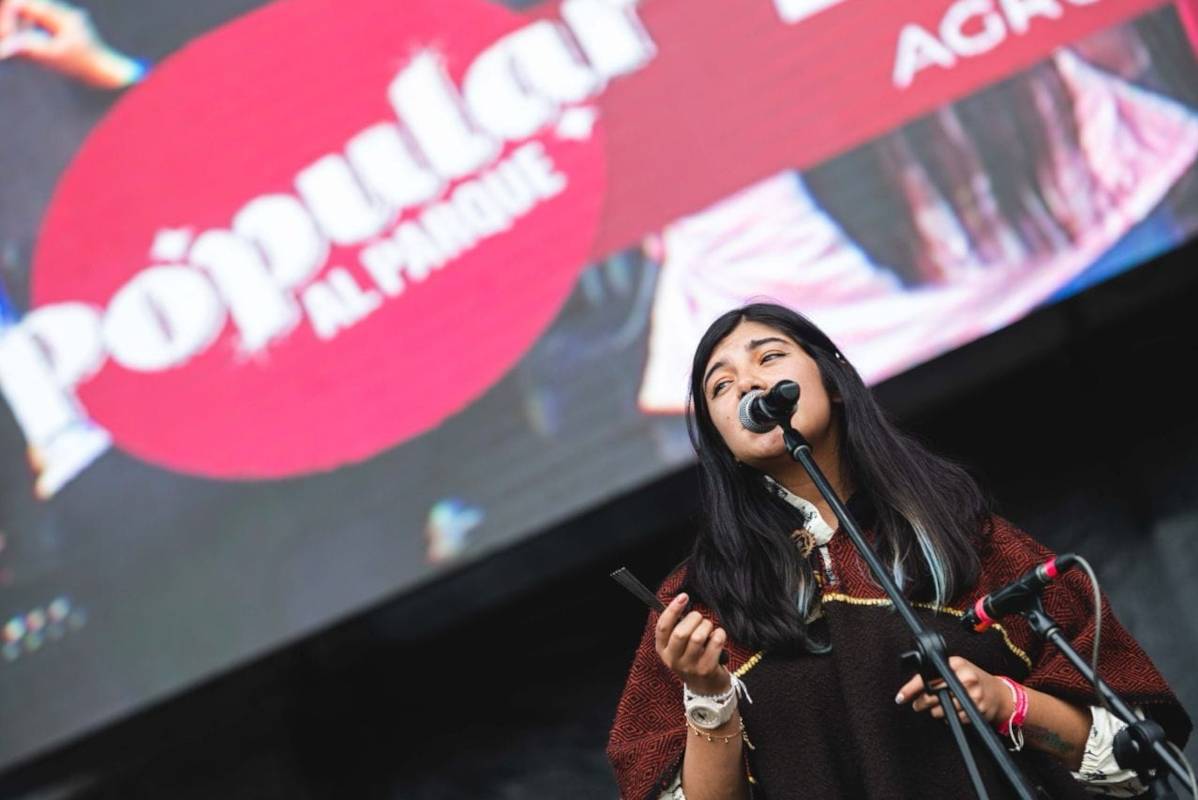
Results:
<point x="745" y="413"/>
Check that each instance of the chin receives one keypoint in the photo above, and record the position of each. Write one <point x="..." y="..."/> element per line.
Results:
<point x="769" y="456"/>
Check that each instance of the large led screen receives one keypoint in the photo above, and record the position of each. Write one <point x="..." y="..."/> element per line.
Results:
<point x="306" y="303"/>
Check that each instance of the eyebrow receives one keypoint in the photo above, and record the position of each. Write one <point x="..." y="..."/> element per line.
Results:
<point x="750" y="347"/>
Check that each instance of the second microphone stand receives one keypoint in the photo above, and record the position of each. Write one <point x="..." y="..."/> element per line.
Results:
<point x="929" y="646"/>
<point x="1141" y="746"/>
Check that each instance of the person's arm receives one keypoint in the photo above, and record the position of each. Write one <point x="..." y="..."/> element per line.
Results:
<point x="61" y="37"/>
<point x="713" y="765"/>
<point x="690" y="646"/>
<point x="1050" y="724"/>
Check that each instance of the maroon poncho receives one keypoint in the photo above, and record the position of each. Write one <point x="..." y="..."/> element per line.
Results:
<point x="827" y="726"/>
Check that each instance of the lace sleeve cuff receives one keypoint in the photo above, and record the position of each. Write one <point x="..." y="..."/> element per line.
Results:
<point x="674" y="790"/>
<point x="1100" y="772"/>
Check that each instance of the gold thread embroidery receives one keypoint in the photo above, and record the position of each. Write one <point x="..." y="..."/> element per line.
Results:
<point x="748" y="665"/>
<point x="836" y="597"/>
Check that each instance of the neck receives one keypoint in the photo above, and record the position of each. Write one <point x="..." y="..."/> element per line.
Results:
<point x="794" y="477"/>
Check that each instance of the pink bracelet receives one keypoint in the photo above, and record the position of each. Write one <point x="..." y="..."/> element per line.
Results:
<point x="1014" y="725"/>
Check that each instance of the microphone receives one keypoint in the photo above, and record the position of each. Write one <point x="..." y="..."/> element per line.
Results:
<point x="760" y="411"/>
<point x="1015" y="596"/>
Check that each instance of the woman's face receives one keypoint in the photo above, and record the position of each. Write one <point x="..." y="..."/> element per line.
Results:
<point x="757" y="356"/>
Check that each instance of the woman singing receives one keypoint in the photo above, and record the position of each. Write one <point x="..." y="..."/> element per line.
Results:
<point x="814" y="700"/>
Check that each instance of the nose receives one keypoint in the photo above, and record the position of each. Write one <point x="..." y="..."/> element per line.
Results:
<point x="748" y="383"/>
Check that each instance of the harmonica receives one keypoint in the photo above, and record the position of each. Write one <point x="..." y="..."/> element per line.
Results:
<point x="630" y="582"/>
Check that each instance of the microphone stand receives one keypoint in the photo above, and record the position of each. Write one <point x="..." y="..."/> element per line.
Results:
<point x="929" y="653"/>
<point x="1140" y="746"/>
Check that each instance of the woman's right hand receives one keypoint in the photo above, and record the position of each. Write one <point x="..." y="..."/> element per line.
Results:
<point x="690" y="646"/>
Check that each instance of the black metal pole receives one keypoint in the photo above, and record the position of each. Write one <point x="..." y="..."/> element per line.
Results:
<point x="929" y="644"/>
<point x="1148" y="740"/>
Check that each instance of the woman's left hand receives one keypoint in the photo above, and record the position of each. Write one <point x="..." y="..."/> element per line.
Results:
<point x="989" y="693"/>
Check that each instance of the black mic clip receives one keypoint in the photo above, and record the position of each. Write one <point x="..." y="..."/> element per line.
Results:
<point x="761" y="411"/>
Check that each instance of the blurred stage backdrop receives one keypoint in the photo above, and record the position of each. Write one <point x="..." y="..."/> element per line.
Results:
<point x="344" y="344"/>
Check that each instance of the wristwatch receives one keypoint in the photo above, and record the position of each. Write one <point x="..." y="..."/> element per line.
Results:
<point x="707" y="711"/>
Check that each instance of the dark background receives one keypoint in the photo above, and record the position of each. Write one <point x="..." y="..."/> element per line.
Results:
<point x="501" y="680"/>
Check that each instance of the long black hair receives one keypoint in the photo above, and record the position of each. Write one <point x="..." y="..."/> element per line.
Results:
<point x="927" y="511"/>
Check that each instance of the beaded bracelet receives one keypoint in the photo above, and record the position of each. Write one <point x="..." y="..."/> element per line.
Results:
<point x="740" y="733"/>
<point x="1014" y="725"/>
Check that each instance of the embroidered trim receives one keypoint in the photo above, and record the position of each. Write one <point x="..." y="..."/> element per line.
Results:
<point x="748" y="665"/>
<point x="836" y="597"/>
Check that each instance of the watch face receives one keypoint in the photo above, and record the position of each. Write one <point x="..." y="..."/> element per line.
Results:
<point x="709" y="716"/>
